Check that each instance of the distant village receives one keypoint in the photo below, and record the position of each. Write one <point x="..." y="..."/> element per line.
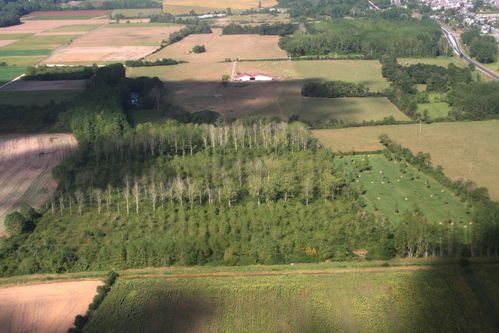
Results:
<point x="463" y="13"/>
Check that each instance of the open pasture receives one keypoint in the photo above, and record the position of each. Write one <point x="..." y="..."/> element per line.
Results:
<point x="466" y="150"/>
<point x="252" y="19"/>
<point x="137" y="13"/>
<point x="391" y="299"/>
<point x="49" y="307"/>
<point x="26" y="164"/>
<point x="221" y="47"/>
<point x="439" y="61"/>
<point x="395" y="187"/>
<point x="8" y="73"/>
<point x="178" y="7"/>
<point x="113" y="44"/>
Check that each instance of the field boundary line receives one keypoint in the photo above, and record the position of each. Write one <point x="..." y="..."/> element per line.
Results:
<point x="14" y="80"/>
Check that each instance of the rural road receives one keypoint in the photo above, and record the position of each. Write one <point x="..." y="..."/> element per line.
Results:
<point x="457" y="50"/>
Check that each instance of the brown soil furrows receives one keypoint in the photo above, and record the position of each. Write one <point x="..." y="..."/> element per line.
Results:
<point x="46" y="307"/>
<point x="57" y="85"/>
<point x="26" y="163"/>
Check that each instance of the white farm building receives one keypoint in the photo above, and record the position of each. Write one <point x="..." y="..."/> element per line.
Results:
<point x="243" y="77"/>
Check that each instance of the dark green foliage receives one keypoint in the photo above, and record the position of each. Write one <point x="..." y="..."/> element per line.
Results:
<point x="158" y="62"/>
<point x="130" y="4"/>
<point x="199" y="49"/>
<point x="468" y="36"/>
<point x="199" y="28"/>
<point x="281" y="29"/>
<point x="22" y="221"/>
<point x="317" y="9"/>
<point x="477" y="100"/>
<point x="371" y="37"/>
<point x="44" y="73"/>
<point x="484" y="49"/>
<point x="333" y="89"/>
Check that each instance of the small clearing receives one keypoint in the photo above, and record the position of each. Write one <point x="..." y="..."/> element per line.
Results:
<point x="44" y="308"/>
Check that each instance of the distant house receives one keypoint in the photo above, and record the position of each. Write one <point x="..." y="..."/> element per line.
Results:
<point x="243" y="77"/>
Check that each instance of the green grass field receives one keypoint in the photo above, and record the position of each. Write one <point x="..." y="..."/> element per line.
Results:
<point x="137" y="13"/>
<point x="440" y="61"/>
<point x="437" y="108"/>
<point x="35" y="97"/>
<point x="8" y="73"/>
<point x="61" y="17"/>
<point x="76" y="27"/>
<point x="393" y="187"/>
<point x="388" y="300"/>
<point x="466" y="150"/>
<point x="22" y="53"/>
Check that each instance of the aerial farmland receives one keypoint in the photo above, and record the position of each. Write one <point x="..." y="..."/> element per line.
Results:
<point x="248" y="166"/>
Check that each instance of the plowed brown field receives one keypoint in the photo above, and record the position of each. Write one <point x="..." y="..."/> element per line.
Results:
<point x="26" y="163"/>
<point x="49" y="308"/>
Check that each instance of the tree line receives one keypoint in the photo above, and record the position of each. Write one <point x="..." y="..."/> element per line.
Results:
<point x="149" y="63"/>
<point x="45" y="73"/>
<point x="280" y="29"/>
<point x="334" y="89"/>
<point x="319" y="9"/>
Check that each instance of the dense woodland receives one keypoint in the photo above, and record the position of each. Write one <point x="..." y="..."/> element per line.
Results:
<point x="319" y="9"/>
<point x="371" y="37"/>
<point x="334" y="89"/>
<point x="281" y="29"/>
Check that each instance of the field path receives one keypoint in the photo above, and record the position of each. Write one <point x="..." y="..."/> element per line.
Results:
<point x="44" y="308"/>
<point x="26" y="163"/>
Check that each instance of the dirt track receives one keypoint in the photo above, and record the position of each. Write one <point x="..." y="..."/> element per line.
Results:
<point x="26" y="163"/>
<point x="49" y="308"/>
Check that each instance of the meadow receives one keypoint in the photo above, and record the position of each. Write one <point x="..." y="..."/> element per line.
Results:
<point x="393" y="188"/>
<point x="436" y="108"/>
<point x="466" y="150"/>
<point x="8" y="73"/>
<point x="391" y="300"/>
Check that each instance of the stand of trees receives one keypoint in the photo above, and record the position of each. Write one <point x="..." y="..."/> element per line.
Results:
<point x="281" y="29"/>
<point x="44" y="73"/>
<point x="483" y="48"/>
<point x="333" y="89"/>
<point x="331" y="8"/>
<point x="371" y="37"/>
<point x="403" y="90"/>
<point x="158" y="62"/>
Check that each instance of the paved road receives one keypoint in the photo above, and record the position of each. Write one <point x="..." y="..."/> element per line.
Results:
<point x="457" y="50"/>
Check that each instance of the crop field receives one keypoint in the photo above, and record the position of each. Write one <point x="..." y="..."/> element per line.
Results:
<point x="8" y="73"/>
<point x="178" y="7"/>
<point x="38" y="97"/>
<point x="113" y="44"/>
<point x="393" y="187"/>
<point x="66" y="15"/>
<point x="49" y="307"/>
<point x="37" y="26"/>
<point x="466" y="150"/>
<point x="140" y="12"/>
<point x="26" y="163"/>
<point x="221" y="47"/>
<point x="408" y="299"/>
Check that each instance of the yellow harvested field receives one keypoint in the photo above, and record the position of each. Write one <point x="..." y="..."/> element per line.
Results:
<point x="26" y="163"/>
<point x="466" y="150"/>
<point x="6" y="42"/>
<point x="184" y="72"/>
<point x="200" y="6"/>
<point x="50" y="307"/>
<point x="221" y="47"/>
<point x="113" y="44"/>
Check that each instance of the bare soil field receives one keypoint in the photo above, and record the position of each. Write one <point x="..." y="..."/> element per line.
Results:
<point x="221" y="47"/>
<point x="44" y="308"/>
<point x="70" y="13"/>
<point x="6" y="42"/>
<point x="253" y="19"/>
<point x="37" y="26"/>
<point x="113" y="44"/>
<point x="26" y="163"/>
<point x="466" y="150"/>
<point x="22" y="85"/>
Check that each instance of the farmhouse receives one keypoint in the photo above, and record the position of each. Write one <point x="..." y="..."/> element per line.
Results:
<point x="251" y="77"/>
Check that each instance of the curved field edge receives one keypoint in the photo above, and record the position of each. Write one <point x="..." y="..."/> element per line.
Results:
<point x="26" y="163"/>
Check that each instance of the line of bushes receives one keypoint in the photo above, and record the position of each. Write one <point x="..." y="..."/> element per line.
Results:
<point x="150" y="63"/>
<point x="338" y="123"/>
<point x="45" y="73"/>
<point x="102" y="291"/>
<point x="177" y="36"/>
<point x="335" y="89"/>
